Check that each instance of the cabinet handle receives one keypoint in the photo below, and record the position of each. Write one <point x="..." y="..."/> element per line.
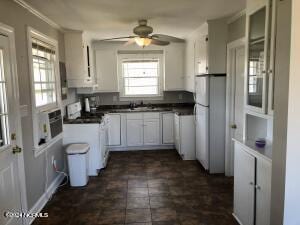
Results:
<point x="257" y="187"/>
<point x="251" y="183"/>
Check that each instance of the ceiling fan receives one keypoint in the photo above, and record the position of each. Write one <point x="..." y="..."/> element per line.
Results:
<point x="144" y="38"/>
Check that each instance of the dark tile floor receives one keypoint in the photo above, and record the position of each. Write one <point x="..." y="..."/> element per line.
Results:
<point x="145" y="188"/>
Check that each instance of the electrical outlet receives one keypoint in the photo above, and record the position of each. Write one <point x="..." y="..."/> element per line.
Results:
<point x="180" y="96"/>
<point x="115" y="98"/>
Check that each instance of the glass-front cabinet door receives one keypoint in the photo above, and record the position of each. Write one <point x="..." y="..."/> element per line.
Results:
<point x="257" y="57"/>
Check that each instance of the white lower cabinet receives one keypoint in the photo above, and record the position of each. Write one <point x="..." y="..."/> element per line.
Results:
<point x="135" y="132"/>
<point x="114" y="130"/>
<point x="252" y="187"/>
<point x="151" y="132"/>
<point x="184" y="135"/>
<point x="263" y="191"/>
<point x="168" y="128"/>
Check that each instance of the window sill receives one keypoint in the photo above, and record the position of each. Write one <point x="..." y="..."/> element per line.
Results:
<point x="140" y="98"/>
<point x="38" y="150"/>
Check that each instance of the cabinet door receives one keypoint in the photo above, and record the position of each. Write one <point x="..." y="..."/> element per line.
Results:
<point x="174" y="67"/>
<point x="177" y="133"/>
<point x="106" y="70"/>
<point x="257" y="57"/>
<point x="189" y="67"/>
<point x="201" y="65"/>
<point x="114" y="130"/>
<point x="263" y="191"/>
<point x="151" y="132"/>
<point x="244" y="190"/>
<point x="168" y="128"/>
<point x="134" y="132"/>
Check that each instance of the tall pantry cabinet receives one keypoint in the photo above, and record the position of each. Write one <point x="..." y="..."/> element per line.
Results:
<point x="252" y="165"/>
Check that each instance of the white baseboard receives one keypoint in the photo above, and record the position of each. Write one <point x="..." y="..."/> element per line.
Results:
<point x="39" y="205"/>
<point x="154" y="147"/>
<point x="237" y="219"/>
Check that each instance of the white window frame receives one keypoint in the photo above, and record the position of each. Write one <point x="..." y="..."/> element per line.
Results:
<point x="32" y="33"/>
<point x="141" y="56"/>
<point x="50" y="41"/>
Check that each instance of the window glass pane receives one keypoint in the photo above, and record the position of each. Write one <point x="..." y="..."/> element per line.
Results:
<point x="141" y="81"/>
<point x="43" y="73"/>
<point x="141" y="77"/>
<point x="151" y="90"/>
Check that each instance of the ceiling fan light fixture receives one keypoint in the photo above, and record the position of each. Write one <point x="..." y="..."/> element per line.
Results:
<point x="142" y="42"/>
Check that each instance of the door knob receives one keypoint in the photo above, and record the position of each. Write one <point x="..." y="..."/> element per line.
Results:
<point x="16" y="149"/>
<point x="233" y="126"/>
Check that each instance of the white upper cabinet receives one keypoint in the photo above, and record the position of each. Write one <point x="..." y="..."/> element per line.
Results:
<point x="201" y="59"/>
<point x="189" y="78"/>
<point x="106" y="70"/>
<point x="79" y="60"/>
<point x="205" y="51"/>
<point x="260" y="57"/>
<point x="174" y="67"/>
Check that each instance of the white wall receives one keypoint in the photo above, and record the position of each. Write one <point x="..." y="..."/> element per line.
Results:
<point x="281" y="95"/>
<point x="19" y="18"/>
<point x="292" y="182"/>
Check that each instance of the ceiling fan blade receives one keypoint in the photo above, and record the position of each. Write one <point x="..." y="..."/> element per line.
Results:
<point x="118" y="38"/>
<point x="159" y="42"/>
<point x="130" y="42"/>
<point x="164" y="37"/>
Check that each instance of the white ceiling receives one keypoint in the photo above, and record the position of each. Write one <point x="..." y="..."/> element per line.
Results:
<point x="113" y="18"/>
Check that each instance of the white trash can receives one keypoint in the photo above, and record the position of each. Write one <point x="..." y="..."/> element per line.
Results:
<point x="78" y="164"/>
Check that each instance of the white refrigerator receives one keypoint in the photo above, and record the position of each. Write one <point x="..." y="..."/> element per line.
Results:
<point x="210" y="103"/>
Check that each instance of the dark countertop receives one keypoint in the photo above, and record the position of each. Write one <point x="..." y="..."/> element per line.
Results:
<point x="250" y="146"/>
<point x="181" y="109"/>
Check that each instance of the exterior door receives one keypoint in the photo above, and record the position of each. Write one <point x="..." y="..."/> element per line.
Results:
<point x="135" y="136"/>
<point x="10" y="195"/>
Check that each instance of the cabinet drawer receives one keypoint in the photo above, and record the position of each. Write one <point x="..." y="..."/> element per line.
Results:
<point x="151" y="115"/>
<point x="134" y="116"/>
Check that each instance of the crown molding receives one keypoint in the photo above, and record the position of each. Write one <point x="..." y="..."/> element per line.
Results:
<point x="236" y="16"/>
<point x="38" y="14"/>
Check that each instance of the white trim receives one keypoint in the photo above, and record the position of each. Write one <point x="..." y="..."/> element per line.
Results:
<point x="38" y="14"/>
<point x="236" y="16"/>
<point x="39" y="205"/>
<point x="10" y="32"/>
<point x="135" y="55"/>
<point x="39" y="150"/>
<point x="31" y="32"/>
<point x="237" y="219"/>
<point x="148" y="147"/>
<point x="230" y="85"/>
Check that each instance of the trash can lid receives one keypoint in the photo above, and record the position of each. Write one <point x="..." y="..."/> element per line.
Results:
<point x="77" y="149"/>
